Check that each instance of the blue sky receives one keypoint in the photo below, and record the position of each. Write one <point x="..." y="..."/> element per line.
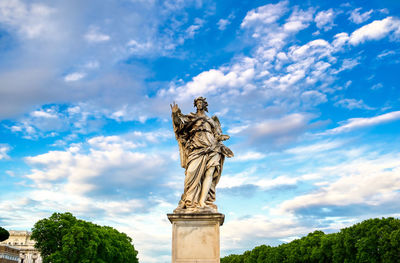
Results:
<point x="307" y="90"/>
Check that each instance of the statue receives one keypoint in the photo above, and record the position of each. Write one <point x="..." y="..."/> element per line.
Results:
<point x="202" y="155"/>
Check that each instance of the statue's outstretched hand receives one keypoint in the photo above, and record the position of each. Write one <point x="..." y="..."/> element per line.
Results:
<point x="174" y="107"/>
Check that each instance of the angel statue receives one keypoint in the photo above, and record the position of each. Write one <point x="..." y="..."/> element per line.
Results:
<point x="202" y="155"/>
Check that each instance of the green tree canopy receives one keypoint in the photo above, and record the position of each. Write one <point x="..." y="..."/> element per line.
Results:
<point x="62" y="238"/>
<point x="373" y="240"/>
<point x="3" y="234"/>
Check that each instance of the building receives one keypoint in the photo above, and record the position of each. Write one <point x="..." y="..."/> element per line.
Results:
<point x="9" y="254"/>
<point x="21" y="240"/>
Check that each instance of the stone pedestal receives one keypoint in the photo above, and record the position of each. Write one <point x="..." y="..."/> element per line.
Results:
<point x="195" y="237"/>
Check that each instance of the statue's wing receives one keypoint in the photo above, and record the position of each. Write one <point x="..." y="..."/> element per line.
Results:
<point x="217" y="124"/>
<point x="225" y="150"/>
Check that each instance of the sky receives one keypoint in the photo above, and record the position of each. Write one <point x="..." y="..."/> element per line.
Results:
<point x="307" y="90"/>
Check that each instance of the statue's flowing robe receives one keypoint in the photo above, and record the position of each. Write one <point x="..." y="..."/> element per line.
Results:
<point x="200" y="149"/>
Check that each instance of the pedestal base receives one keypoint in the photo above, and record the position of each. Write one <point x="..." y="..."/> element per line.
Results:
<point x="195" y="237"/>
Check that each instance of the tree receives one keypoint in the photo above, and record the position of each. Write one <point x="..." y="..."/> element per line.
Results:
<point x="4" y="235"/>
<point x="62" y="238"/>
<point x="373" y="240"/>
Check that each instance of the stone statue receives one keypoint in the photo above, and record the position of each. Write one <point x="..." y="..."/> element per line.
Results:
<point x="202" y="155"/>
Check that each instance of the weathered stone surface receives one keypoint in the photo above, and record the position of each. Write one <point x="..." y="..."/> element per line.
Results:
<point x="202" y="155"/>
<point x="195" y="237"/>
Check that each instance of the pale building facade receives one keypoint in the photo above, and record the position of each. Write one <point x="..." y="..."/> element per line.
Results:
<point x="9" y="254"/>
<point x="22" y="241"/>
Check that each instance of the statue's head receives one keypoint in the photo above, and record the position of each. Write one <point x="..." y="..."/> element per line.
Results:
<point x="201" y="103"/>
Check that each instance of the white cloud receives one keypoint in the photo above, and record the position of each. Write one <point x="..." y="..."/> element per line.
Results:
<point x="358" y="18"/>
<point x="248" y="177"/>
<point x="377" y="86"/>
<point x="80" y="118"/>
<point x="42" y="83"/>
<point x="31" y="20"/>
<point x="376" y="30"/>
<point x="194" y="29"/>
<point x="74" y="76"/>
<point x="223" y="23"/>
<point x="248" y="156"/>
<point x="4" y="149"/>
<point x="384" y="11"/>
<point x="138" y="48"/>
<point x="85" y="168"/>
<point x="386" y="53"/>
<point x="277" y="132"/>
<point x="324" y="19"/>
<point x="270" y="67"/>
<point x="239" y="179"/>
<point x="205" y="82"/>
<point x="92" y="64"/>
<point x="340" y="40"/>
<point x="348" y="64"/>
<point x="353" y="104"/>
<point x="39" y="58"/>
<point x="266" y="14"/>
<point x="299" y="70"/>
<point x="313" y="97"/>
<point x="259" y="229"/>
<point x="44" y="114"/>
<point x="371" y="180"/>
<point x="94" y="36"/>
<point x="44" y="122"/>
<point x="110" y="143"/>
<point x="211" y="81"/>
<point x="298" y="20"/>
<point x="278" y="181"/>
<point x="318" y="47"/>
<point x="152" y="136"/>
<point x="357" y="123"/>
<point x="288" y="123"/>
<point x="315" y="148"/>
<point x="237" y="129"/>
<point x="262" y="23"/>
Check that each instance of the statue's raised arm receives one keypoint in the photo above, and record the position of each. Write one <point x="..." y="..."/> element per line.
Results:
<point x="202" y="155"/>
<point x="178" y="122"/>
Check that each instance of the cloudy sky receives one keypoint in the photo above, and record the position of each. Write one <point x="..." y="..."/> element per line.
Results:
<point x="307" y="90"/>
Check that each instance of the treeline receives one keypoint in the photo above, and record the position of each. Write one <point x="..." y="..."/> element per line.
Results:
<point x="373" y="240"/>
